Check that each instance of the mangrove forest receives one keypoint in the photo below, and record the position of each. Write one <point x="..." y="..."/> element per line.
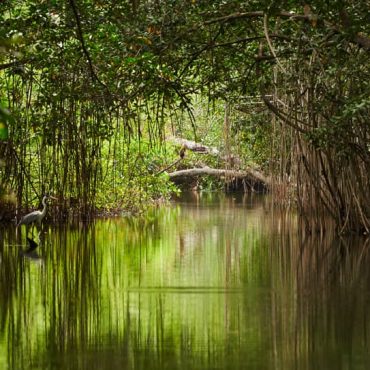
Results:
<point x="184" y="184"/>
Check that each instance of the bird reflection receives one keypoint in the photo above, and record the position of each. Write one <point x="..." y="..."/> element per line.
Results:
<point x="32" y="245"/>
<point x="31" y="252"/>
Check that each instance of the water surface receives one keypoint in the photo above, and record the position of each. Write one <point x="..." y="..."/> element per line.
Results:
<point x="210" y="282"/>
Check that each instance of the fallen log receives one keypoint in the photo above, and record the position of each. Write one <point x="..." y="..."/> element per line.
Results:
<point x="193" y="146"/>
<point x="248" y="173"/>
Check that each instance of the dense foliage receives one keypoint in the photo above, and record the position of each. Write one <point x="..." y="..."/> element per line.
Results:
<point x="94" y="87"/>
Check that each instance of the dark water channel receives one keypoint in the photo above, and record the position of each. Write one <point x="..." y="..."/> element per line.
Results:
<point x="211" y="282"/>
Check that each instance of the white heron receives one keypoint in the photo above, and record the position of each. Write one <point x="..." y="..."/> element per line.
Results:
<point x="35" y="216"/>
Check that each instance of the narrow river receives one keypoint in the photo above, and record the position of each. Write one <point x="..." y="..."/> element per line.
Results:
<point x="208" y="282"/>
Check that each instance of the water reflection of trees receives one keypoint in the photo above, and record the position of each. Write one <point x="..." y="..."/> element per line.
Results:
<point x="320" y="299"/>
<point x="90" y="305"/>
<point x="333" y="285"/>
<point x="45" y="305"/>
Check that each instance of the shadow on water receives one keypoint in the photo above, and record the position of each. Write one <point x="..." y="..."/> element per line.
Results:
<point x="209" y="283"/>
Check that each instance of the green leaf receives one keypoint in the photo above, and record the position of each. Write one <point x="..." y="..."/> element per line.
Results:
<point x="3" y="131"/>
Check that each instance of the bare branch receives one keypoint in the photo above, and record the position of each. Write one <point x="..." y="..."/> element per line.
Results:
<point x="265" y="29"/>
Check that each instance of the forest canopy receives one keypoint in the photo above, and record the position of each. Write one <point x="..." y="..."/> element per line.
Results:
<point x="91" y="90"/>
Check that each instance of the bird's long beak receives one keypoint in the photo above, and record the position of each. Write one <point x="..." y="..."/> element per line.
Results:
<point x="53" y="197"/>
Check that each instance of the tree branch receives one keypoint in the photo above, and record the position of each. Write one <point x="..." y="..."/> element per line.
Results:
<point x="359" y="39"/>
<point x="247" y="173"/>
<point x="83" y="45"/>
<point x="11" y="64"/>
<point x="265" y="30"/>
